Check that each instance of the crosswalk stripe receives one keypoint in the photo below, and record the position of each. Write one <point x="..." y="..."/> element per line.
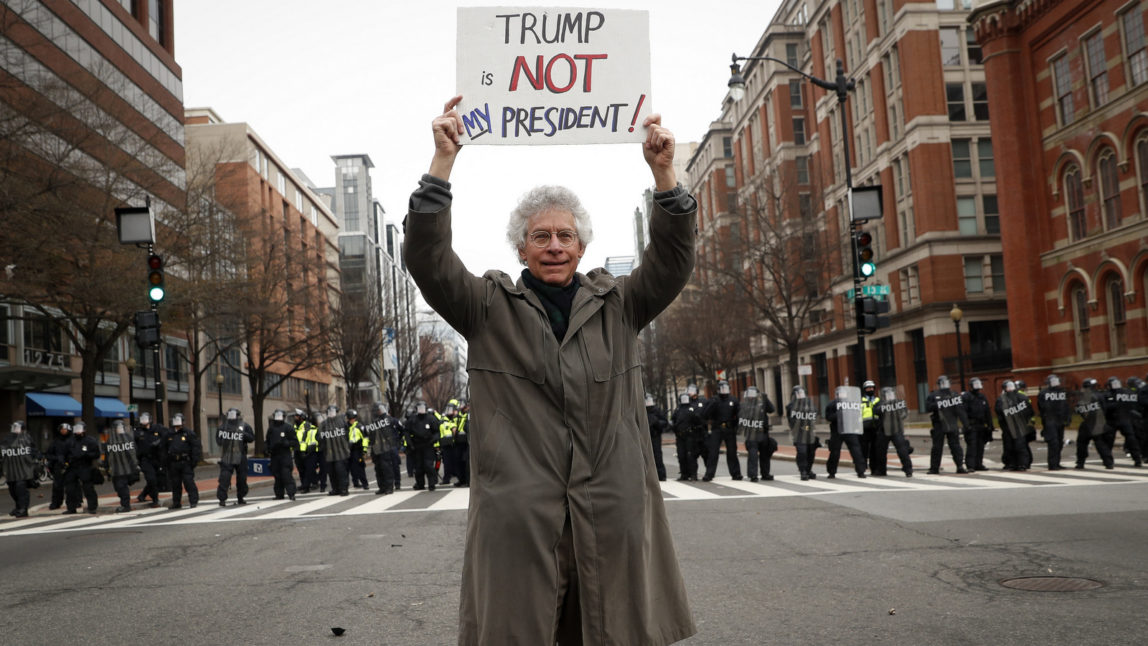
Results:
<point x="296" y="510"/>
<point x="758" y="489"/>
<point x="454" y="500"/>
<point x="380" y="503"/>
<point x="227" y="513"/>
<point x="825" y="485"/>
<point x="683" y="491"/>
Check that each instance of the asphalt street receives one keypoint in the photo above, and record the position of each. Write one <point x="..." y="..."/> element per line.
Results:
<point x="876" y="561"/>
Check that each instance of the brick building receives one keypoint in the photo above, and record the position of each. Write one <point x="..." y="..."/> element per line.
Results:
<point x="918" y="126"/>
<point x="1068" y="88"/>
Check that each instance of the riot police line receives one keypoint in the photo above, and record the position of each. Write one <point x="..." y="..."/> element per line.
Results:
<point x="329" y="452"/>
<point x="866" y="422"/>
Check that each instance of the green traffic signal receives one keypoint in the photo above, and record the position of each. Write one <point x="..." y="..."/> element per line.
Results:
<point x="155" y="289"/>
<point x="865" y="265"/>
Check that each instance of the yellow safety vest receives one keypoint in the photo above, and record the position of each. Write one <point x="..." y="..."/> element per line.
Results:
<point x="867" y="404"/>
<point x="354" y="434"/>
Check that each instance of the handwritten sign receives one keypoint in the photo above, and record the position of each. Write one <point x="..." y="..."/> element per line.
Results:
<point x="553" y="75"/>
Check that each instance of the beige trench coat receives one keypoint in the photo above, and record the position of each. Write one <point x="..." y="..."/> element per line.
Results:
<point x="557" y="427"/>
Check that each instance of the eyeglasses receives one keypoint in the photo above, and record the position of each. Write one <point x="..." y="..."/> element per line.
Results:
<point x="541" y="239"/>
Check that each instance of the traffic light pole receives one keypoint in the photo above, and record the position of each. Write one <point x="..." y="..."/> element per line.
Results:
<point x="159" y="391"/>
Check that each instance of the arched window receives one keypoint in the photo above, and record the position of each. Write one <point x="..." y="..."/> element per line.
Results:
<point x="1117" y="316"/>
<point x="1080" y="323"/>
<point x="1074" y="200"/>
<point x="1109" y="190"/>
<point x="1142" y="167"/>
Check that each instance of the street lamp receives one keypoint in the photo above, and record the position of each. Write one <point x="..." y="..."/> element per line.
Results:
<point x="841" y="85"/>
<point x="219" y="393"/>
<point x="956" y="315"/>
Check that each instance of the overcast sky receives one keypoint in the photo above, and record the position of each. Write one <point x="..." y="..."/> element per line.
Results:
<point x="316" y="79"/>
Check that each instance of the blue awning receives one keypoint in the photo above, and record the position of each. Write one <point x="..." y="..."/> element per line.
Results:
<point x="52" y="405"/>
<point x="110" y="407"/>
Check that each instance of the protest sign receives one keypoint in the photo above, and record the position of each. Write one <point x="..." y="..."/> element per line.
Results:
<point x="553" y="75"/>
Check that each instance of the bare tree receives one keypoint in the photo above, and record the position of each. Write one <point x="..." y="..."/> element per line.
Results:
<point x="707" y="332"/>
<point x="418" y="365"/>
<point x="356" y="337"/>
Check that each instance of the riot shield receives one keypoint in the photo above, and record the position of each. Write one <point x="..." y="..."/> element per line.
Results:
<point x="1090" y="407"/>
<point x="894" y="410"/>
<point x="1016" y="417"/>
<point x="802" y="417"/>
<point x="849" y="410"/>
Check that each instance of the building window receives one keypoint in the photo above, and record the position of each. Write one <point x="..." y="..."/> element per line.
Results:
<point x="799" y="131"/>
<point x="802" y="162"/>
<point x="980" y="102"/>
<point x="974" y="275"/>
<point x="910" y="287"/>
<point x="996" y="271"/>
<point x="955" y="96"/>
<point x="1062" y="83"/>
<point x="1081" y="323"/>
<point x="727" y="147"/>
<point x="155" y="21"/>
<point x="1110" y="190"/>
<point x="967" y="215"/>
<point x="1074" y="200"/>
<point x="992" y="215"/>
<point x="1132" y="22"/>
<point x="1142" y="160"/>
<point x="962" y="159"/>
<point x="795" y="93"/>
<point x="973" y="48"/>
<point x="985" y="158"/>
<point x="281" y="182"/>
<point x="1097" y="68"/>
<point x="1117" y="316"/>
<point x="950" y="46"/>
<point x="791" y="54"/>
<point x="730" y="179"/>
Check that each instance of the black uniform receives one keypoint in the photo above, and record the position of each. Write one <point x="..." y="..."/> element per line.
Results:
<point x="83" y="452"/>
<point x="233" y="436"/>
<point x="280" y="443"/>
<point x="979" y="430"/>
<point x="149" y="447"/>
<point x="801" y="414"/>
<point x="721" y="413"/>
<point x="946" y="410"/>
<point x="852" y="441"/>
<point x="357" y="463"/>
<point x="890" y="415"/>
<point x="686" y="419"/>
<point x="18" y="458"/>
<point x="1090" y="407"/>
<point x="1119" y="405"/>
<point x="753" y="422"/>
<point x="422" y="431"/>
<point x="336" y="449"/>
<point x="120" y="455"/>
<point x="57" y="457"/>
<point x="181" y="445"/>
<point x="1014" y="414"/>
<point x="1052" y="403"/>
<point x="871" y="433"/>
<point x="658" y="425"/>
<point x="381" y="438"/>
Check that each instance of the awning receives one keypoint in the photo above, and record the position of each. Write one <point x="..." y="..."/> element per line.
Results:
<point x="52" y="405"/>
<point x="110" y="407"/>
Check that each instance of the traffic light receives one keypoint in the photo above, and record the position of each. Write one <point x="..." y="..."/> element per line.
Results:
<point x="147" y="329"/>
<point x="866" y="266"/>
<point x="869" y="315"/>
<point x="155" y="290"/>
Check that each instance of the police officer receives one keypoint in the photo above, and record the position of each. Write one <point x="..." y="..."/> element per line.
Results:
<point x="844" y="417"/>
<point x="18" y="459"/>
<point x="233" y="438"/>
<point x="1052" y="404"/>
<point x="947" y="411"/>
<point x="336" y="448"/>
<point x="421" y="434"/>
<point x="1090" y="407"/>
<point x="980" y="428"/>
<point x="306" y="450"/>
<point x="1135" y="385"/>
<point x="1014" y="414"/>
<point x="890" y="414"/>
<point x="684" y="420"/>
<point x="321" y="469"/>
<point x="701" y="431"/>
<point x="181" y="445"/>
<point x="357" y="463"/>
<point x="83" y="452"/>
<point x="56" y="457"/>
<point x="462" y="444"/>
<point x="121" y="463"/>
<point x="1119" y="404"/>
<point x="753" y="423"/>
<point x="380" y="441"/>
<point x="446" y="431"/>
<point x="869" y="429"/>
<point x="801" y="414"/>
<point x="279" y="444"/>
<point x="148" y="440"/>
<point x="721" y="414"/>
<point x="657" y="422"/>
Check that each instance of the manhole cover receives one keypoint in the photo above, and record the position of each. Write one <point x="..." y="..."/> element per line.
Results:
<point x="1051" y="584"/>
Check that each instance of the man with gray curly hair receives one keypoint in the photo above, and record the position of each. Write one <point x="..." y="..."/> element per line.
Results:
<point x="566" y="514"/>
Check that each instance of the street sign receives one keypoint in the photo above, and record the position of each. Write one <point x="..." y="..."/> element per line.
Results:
<point x="869" y="290"/>
<point x="804" y="369"/>
<point x="133" y="409"/>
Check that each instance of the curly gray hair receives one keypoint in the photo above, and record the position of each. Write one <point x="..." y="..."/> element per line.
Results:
<point x="539" y="199"/>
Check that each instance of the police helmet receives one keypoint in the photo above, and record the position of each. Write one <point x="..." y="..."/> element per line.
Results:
<point x="750" y="392"/>
<point x="65" y="427"/>
<point x="145" y="418"/>
<point x="976" y="384"/>
<point x="299" y="413"/>
<point x="332" y="410"/>
<point x="420" y="408"/>
<point x="279" y="415"/>
<point x="889" y="394"/>
<point x="17" y="427"/>
<point x="943" y="382"/>
<point x="450" y="409"/>
<point x="798" y="392"/>
<point x="1053" y="381"/>
<point x="380" y="409"/>
<point x="1020" y="385"/>
<point x="649" y="400"/>
<point x="842" y="393"/>
<point x="453" y="402"/>
<point x="79" y="427"/>
<point x="723" y="387"/>
<point x="684" y="398"/>
<point x="1134" y="382"/>
<point x="1090" y="383"/>
<point x="119" y="427"/>
<point x="234" y="414"/>
<point x="1009" y="386"/>
<point x="868" y="384"/>
<point x="1113" y="383"/>
<point x="691" y="389"/>
<point x="352" y="413"/>
<point x="177" y="419"/>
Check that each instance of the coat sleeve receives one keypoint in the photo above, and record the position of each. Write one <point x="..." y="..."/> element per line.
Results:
<point x="446" y="285"/>
<point x="666" y="265"/>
